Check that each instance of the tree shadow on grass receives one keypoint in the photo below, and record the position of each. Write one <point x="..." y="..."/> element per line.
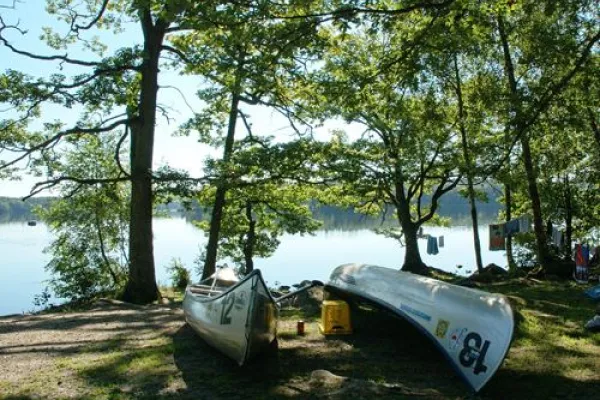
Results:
<point x="209" y="374"/>
<point x="395" y="356"/>
<point x="387" y="355"/>
<point x="152" y="354"/>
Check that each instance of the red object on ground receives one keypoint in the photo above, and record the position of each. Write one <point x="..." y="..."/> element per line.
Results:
<point x="300" y="328"/>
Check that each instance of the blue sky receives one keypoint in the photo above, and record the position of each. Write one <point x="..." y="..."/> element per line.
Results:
<point x="178" y="152"/>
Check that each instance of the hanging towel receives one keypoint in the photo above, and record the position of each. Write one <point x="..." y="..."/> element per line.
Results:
<point x="582" y="253"/>
<point x="441" y="241"/>
<point x="432" y="247"/>
<point x="585" y="250"/>
<point x="497" y="237"/>
<point x="557" y="237"/>
<point x="524" y="224"/>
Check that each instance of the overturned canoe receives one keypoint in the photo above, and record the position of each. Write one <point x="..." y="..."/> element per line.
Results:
<point x="236" y="318"/>
<point x="472" y="328"/>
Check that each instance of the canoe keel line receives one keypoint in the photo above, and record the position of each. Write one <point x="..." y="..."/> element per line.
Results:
<point x="472" y="328"/>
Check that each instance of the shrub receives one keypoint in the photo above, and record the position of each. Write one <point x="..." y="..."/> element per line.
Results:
<point x="180" y="275"/>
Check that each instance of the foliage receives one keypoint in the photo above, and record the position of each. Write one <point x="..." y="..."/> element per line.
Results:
<point x="180" y="275"/>
<point x="265" y="202"/>
<point x="90" y="226"/>
<point x="499" y="91"/>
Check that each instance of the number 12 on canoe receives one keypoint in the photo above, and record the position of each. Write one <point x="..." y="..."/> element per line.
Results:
<point x="226" y="310"/>
<point x="474" y="352"/>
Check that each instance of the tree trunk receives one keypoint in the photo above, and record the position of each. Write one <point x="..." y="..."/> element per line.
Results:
<point x="213" y="235"/>
<point x="468" y="167"/>
<point x="568" y="219"/>
<point x="412" y="257"/>
<point x="217" y="210"/>
<point x="250" y="239"/>
<point x="476" y="241"/>
<point x="508" y="215"/>
<point x="107" y="267"/>
<point x="538" y="225"/>
<point x="141" y="286"/>
<point x="594" y="126"/>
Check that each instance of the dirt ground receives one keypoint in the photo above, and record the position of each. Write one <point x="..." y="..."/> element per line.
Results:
<point x="119" y="351"/>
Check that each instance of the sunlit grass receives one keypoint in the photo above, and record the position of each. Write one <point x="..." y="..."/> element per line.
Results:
<point x="550" y="343"/>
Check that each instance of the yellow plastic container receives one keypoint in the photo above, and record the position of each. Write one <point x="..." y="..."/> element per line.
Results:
<point x="335" y="318"/>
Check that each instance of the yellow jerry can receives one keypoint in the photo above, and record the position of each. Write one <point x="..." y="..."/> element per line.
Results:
<point x="335" y="318"/>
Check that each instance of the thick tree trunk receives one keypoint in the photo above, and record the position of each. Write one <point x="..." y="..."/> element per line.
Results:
<point x="468" y="167"/>
<point x="141" y="286"/>
<point x="250" y="239"/>
<point x="412" y="257"/>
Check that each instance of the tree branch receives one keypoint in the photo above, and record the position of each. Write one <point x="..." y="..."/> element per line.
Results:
<point x="50" y="183"/>
<point x="349" y="12"/>
<point x="52" y="141"/>
<point x="93" y="22"/>
<point x="11" y="7"/>
<point x="62" y="58"/>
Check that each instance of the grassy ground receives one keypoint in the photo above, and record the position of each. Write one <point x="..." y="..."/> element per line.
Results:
<point x="116" y="351"/>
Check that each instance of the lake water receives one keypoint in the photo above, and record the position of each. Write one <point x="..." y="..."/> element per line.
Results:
<point x="22" y="259"/>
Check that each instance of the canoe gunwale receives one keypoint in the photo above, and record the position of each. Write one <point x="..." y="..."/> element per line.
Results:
<point x="396" y="311"/>
<point x="205" y="298"/>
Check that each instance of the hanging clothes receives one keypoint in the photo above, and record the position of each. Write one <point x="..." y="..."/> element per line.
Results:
<point x="585" y="250"/>
<point x="549" y="228"/>
<point x="582" y="254"/>
<point x="497" y="241"/>
<point x="511" y="227"/>
<point x="432" y="247"/>
<point x="524" y="224"/>
<point x="441" y="241"/>
<point x="557" y="237"/>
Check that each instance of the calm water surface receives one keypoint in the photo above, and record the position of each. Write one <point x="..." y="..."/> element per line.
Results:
<point x="22" y="260"/>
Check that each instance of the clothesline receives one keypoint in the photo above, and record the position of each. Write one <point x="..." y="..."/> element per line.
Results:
<point x="499" y="232"/>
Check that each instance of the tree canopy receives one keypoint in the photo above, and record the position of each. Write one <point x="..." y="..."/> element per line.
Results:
<point x="433" y="95"/>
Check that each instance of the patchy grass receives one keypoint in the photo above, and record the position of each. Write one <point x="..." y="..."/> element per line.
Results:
<point x="551" y="351"/>
<point x="116" y="351"/>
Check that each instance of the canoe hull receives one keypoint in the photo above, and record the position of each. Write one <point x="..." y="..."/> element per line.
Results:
<point x="472" y="328"/>
<point x="240" y="322"/>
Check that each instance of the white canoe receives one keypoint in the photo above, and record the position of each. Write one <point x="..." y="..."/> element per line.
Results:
<point x="239" y="320"/>
<point x="472" y="328"/>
